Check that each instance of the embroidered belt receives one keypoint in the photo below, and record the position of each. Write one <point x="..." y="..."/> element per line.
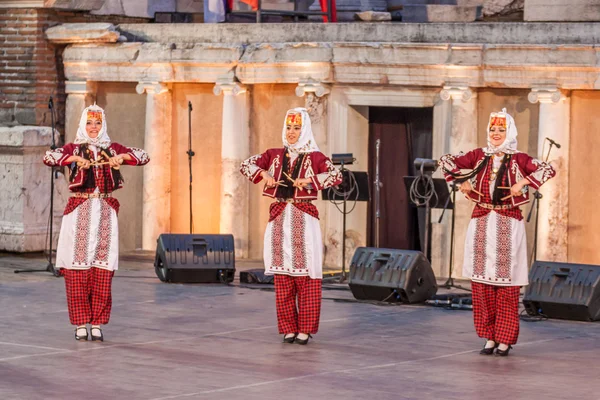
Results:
<point x="496" y="207"/>
<point x="293" y="201"/>
<point x="91" y="195"/>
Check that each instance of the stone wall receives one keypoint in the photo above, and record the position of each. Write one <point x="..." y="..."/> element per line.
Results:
<point x="584" y="218"/>
<point x="206" y="164"/>
<point x="268" y="105"/>
<point x="25" y="195"/>
<point x="125" y="115"/>
<point x="31" y="68"/>
<point x="526" y="117"/>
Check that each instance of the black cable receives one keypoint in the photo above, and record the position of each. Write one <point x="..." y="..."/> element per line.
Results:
<point x="222" y="278"/>
<point x="422" y="190"/>
<point x="532" y="318"/>
<point x="334" y="193"/>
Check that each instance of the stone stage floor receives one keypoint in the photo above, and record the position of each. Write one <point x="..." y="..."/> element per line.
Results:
<point x="174" y="341"/>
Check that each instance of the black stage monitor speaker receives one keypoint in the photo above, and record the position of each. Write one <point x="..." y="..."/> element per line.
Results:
<point x="565" y="291"/>
<point x="391" y="275"/>
<point x="185" y="258"/>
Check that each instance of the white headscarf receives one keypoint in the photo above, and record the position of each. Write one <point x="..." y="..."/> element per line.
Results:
<point x="306" y="142"/>
<point x="102" y="140"/>
<point x="509" y="146"/>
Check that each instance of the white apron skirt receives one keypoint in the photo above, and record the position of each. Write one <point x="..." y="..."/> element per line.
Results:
<point x="293" y="245"/>
<point x="89" y="237"/>
<point x="496" y="251"/>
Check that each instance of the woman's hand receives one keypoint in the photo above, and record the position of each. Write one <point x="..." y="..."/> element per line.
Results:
<point x="116" y="161"/>
<point x="466" y="187"/>
<point x="83" y="163"/>
<point x="269" y="180"/>
<point x="516" y="189"/>
<point x="302" y="182"/>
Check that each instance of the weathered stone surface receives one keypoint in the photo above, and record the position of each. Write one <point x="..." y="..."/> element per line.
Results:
<point x="488" y="32"/>
<point x="100" y="32"/>
<point x="365" y="62"/>
<point x="374" y="16"/>
<point x="136" y="8"/>
<point x="440" y="13"/>
<point x="25" y="198"/>
<point x="502" y="7"/>
<point x="562" y="10"/>
<point x="75" y="4"/>
<point x="190" y="6"/>
<point x="134" y="62"/>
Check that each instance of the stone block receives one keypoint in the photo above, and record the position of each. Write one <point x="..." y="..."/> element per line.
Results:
<point x="190" y="6"/>
<point x="562" y="10"/>
<point x="25" y="198"/>
<point x="495" y="8"/>
<point x="371" y="16"/>
<point x="440" y="13"/>
<point x="98" y="32"/>
<point x="86" y="5"/>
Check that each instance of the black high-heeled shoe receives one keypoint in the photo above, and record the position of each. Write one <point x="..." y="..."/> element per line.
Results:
<point x="488" y="351"/>
<point x="503" y="353"/>
<point x="78" y="337"/>
<point x="289" y="339"/>
<point x="97" y="338"/>
<point x="303" y="341"/>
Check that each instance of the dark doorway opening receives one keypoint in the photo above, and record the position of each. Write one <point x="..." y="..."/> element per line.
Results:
<point x="405" y="134"/>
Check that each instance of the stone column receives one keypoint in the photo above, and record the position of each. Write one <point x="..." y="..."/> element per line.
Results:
<point x="316" y="101"/>
<point x="80" y="94"/>
<point x="554" y="123"/>
<point x="156" y="209"/>
<point x="235" y="148"/>
<point x="463" y="138"/>
<point x="315" y="97"/>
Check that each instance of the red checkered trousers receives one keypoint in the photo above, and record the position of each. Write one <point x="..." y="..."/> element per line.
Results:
<point x="307" y="293"/>
<point x="496" y="312"/>
<point x="89" y="297"/>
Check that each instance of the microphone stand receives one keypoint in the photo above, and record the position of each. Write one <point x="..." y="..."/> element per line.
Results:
<point x="190" y="154"/>
<point x="450" y="281"/>
<point x="377" y="188"/>
<point x="50" y="267"/>
<point x="536" y="203"/>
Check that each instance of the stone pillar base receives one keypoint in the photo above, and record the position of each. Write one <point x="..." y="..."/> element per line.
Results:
<point x="25" y="198"/>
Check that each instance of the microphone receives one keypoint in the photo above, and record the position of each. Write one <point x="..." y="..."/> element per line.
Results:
<point x="50" y="103"/>
<point x="190" y="106"/>
<point x="553" y="142"/>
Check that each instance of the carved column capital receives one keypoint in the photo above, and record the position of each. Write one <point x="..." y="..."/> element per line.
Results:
<point x="456" y="92"/>
<point x="545" y="95"/>
<point x="310" y="86"/>
<point x="151" y="87"/>
<point x="229" y="88"/>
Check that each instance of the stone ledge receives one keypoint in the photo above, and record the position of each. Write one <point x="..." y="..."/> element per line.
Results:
<point x="480" y="32"/>
<point x="426" y="64"/>
<point x="26" y="136"/>
<point x="98" y="32"/>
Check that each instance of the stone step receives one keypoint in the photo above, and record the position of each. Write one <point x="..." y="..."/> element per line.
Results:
<point x="441" y="13"/>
